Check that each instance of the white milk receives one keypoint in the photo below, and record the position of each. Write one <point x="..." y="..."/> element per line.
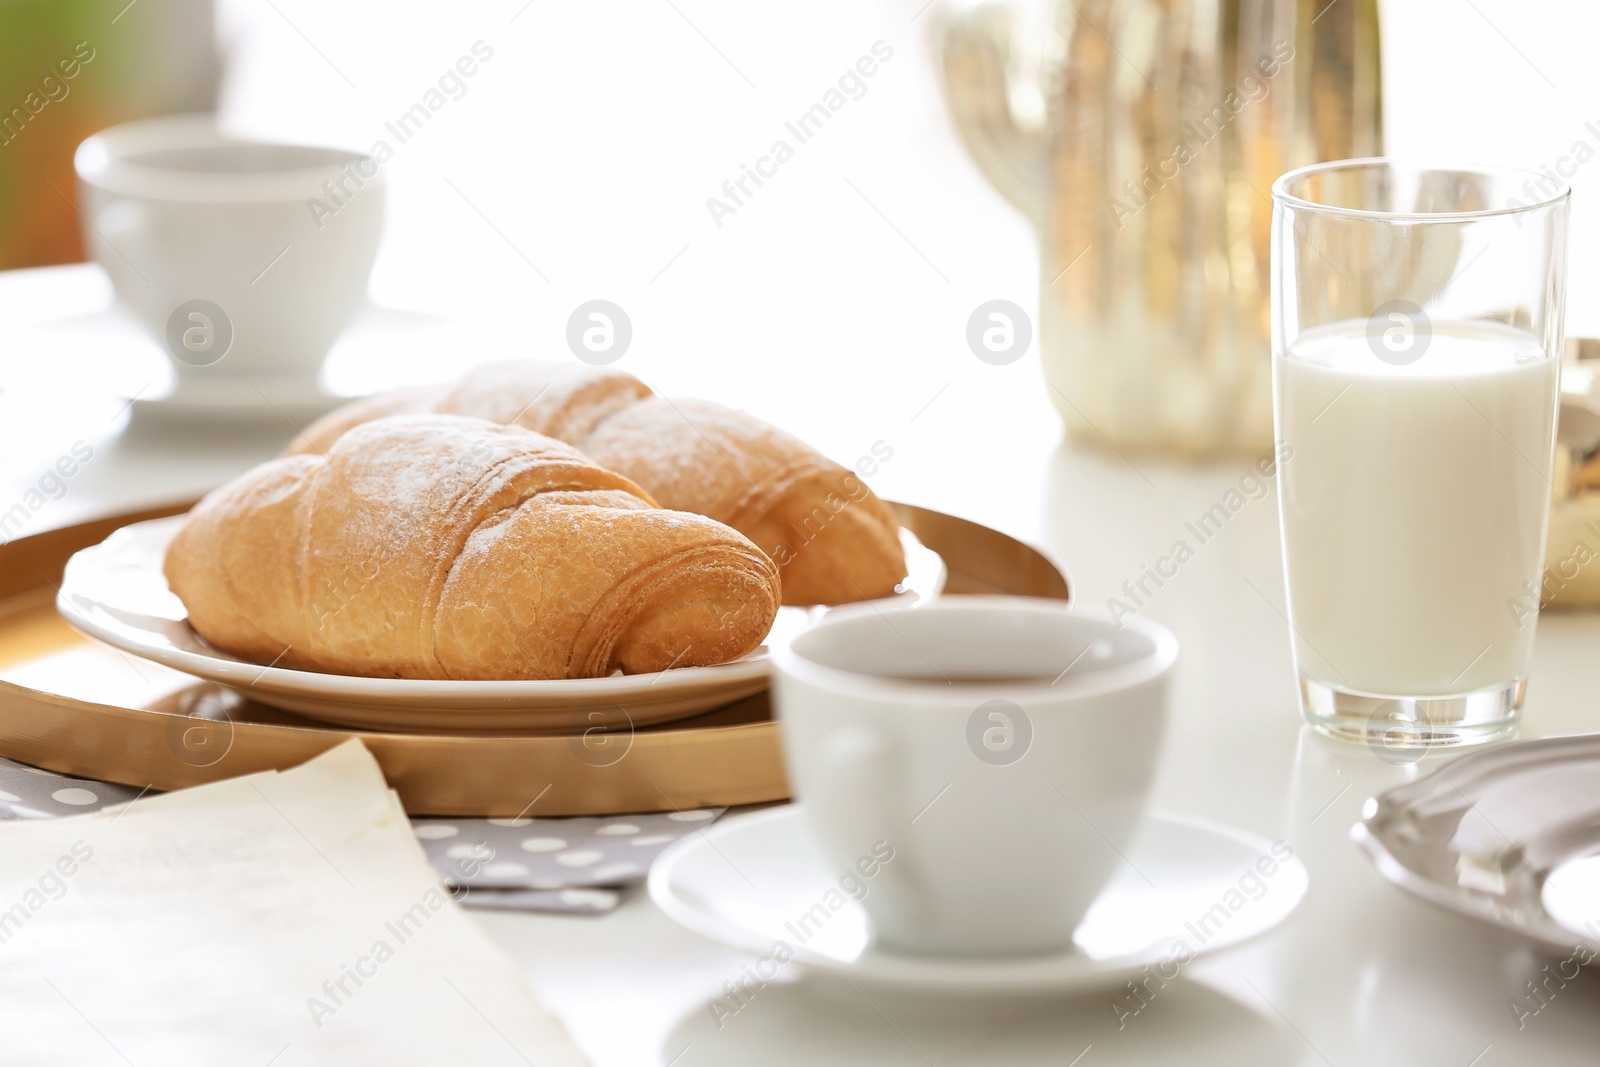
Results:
<point x="1414" y="506"/>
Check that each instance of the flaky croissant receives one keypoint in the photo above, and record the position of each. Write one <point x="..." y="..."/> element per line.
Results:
<point x="437" y="546"/>
<point x="833" y="540"/>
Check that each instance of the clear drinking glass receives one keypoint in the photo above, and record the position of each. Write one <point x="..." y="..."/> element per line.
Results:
<point x="1417" y="316"/>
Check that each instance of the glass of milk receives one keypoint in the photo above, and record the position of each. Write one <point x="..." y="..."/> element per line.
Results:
<point x="1417" y="316"/>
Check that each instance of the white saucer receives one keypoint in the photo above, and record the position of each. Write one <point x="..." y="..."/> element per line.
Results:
<point x="745" y="881"/>
<point x="115" y="592"/>
<point x="294" y="400"/>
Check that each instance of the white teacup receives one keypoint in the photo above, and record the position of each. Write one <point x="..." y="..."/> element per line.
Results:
<point x="1002" y="747"/>
<point x="245" y="260"/>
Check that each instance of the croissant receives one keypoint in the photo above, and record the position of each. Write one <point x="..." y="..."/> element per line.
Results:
<point x="438" y="546"/>
<point x="833" y="540"/>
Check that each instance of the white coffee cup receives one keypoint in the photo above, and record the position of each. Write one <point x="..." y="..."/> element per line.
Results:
<point x="1003" y="747"/>
<point x="244" y="259"/>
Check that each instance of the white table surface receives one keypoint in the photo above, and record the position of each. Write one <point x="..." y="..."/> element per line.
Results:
<point x="834" y="304"/>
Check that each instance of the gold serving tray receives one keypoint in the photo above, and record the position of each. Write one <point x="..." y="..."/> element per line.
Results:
<point x="75" y="706"/>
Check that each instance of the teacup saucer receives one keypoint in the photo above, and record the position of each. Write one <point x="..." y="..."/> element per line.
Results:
<point x="1188" y="888"/>
<point x="228" y="399"/>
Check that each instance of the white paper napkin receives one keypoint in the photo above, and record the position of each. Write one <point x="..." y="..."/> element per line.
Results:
<point x="285" y="919"/>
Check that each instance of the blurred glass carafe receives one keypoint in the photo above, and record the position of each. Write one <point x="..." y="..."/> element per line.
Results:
<point x="1142" y="138"/>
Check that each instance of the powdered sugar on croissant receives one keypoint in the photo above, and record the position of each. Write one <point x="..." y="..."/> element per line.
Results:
<point x="833" y="540"/>
<point x="440" y="546"/>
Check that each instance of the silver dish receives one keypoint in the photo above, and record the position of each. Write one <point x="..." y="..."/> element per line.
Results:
<point x="1509" y="835"/>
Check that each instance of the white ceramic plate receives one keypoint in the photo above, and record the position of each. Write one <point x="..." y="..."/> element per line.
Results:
<point x="1509" y="835"/>
<point x="115" y="592"/>
<point x="747" y="880"/>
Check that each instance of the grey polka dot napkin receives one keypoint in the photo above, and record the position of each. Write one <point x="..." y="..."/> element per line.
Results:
<point x="577" y="901"/>
<point x="552" y="864"/>
<point x="31" y="793"/>
<point x="580" y="865"/>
